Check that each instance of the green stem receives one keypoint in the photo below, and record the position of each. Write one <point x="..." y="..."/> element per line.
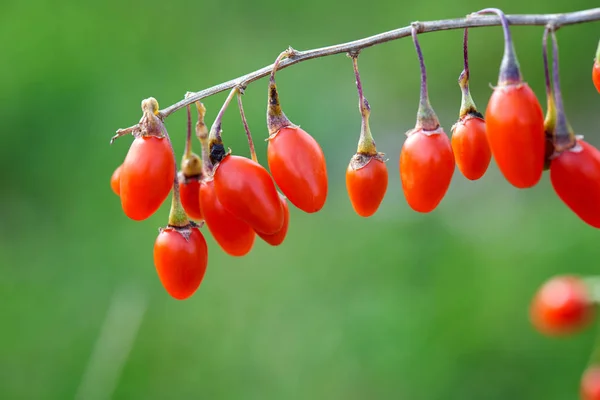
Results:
<point x="246" y="128"/>
<point x="366" y="143"/>
<point x="177" y="215"/>
<point x="427" y="120"/>
<point x="550" y="119"/>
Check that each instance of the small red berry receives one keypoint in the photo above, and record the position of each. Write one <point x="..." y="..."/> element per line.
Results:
<point x="590" y="383"/>
<point x="469" y="144"/>
<point x="277" y="238"/>
<point x="575" y="176"/>
<point x="247" y="191"/>
<point x="234" y="236"/>
<point x="426" y="168"/>
<point x="189" y="190"/>
<point x="147" y="176"/>
<point x="180" y="261"/>
<point x="115" y="180"/>
<point x="515" y="132"/>
<point x="298" y="166"/>
<point x="562" y="306"/>
<point x="366" y="182"/>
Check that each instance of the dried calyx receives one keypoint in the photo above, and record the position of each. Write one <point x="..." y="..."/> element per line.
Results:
<point x="191" y="164"/>
<point x="367" y="149"/>
<point x="215" y="143"/>
<point x="150" y="124"/>
<point x="276" y="118"/>
<point x="510" y="72"/>
<point x="427" y="120"/>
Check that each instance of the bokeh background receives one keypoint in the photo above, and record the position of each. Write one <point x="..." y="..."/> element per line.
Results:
<point x="401" y="305"/>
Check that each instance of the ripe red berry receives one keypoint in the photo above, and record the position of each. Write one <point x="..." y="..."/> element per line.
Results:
<point x="563" y="305"/>
<point x="115" y="180"/>
<point x="469" y="144"/>
<point x="180" y="262"/>
<point x="147" y="176"/>
<point x="298" y="166"/>
<point x="515" y="132"/>
<point x="189" y="190"/>
<point x="426" y="168"/>
<point x="366" y="182"/>
<point x="590" y="383"/>
<point x="575" y="176"/>
<point x="277" y="238"/>
<point x="234" y="236"/>
<point x="247" y="191"/>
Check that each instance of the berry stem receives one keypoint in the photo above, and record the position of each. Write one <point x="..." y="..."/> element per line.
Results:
<point x="510" y="72"/>
<point x="276" y="119"/>
<point x="598" y="53"/>
<point x="188" y="138"/>
<point x="215" y="145"/>
<point x="177" y="215"/>
<point x="467" y="105"/>
<point x="564" y="137"/>
<point x="550" y="119"/>
<point x="246" y="128"/>
<point x="202" y="135"/>
<point x="366" y="143"/>
<point x="427" y="120"/>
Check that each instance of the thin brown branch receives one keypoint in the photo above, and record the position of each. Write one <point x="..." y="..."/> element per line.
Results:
<point x="472" y="21"/>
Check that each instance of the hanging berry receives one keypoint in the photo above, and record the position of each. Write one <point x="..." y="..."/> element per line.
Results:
<point x="596" y="69"/>
<point x="426" y="159"/>
<point x="244" y="187"/>
<point x="562" y="306"/>
<point x="575" y="165"/>
<point x="367" y="174"/>
<point x="191" y="171"/>
<point x="295" y="158"/>
<point x="233" y="235"/>
<point x="180" y="251"/>
<point x="590" y="383"/>
<point x="147" y="173"/>
<point x="514" y="120"/>
<point x="277" y="238"/>
<point x="469" y="141"/>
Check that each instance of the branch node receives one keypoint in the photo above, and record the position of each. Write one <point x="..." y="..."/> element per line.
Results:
<point x="419" y="27"/>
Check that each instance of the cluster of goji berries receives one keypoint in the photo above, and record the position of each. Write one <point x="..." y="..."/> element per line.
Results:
<point x="238" y="199"/>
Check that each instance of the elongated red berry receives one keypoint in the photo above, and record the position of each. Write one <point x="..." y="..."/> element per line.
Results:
<point x="426" y="159"/>
<point x="562" y="306"/>
<point x="146" y="176"/>
<point x="575" y="177"/>
<point x="590" y="383"/>
<point x="295" y="159"/>
<point x="115" y="181"/>
<point x="234" y="236"/>
<point x="180" y="257"/>
<point x="596" y="69"/>
<point x="515" y="121"/>
<point x="190" y="196"/>
<point x="247" y="191"/>
<point x="277" y="238"/>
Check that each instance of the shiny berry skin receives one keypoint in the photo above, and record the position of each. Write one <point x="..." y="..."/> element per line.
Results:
<point x="115" y="180"/>
<point x="469" y="144"/>
<point x="426" y="169"/>
<point x="277" y="238"/>
<point x="367" y="186"/>
<point x="189" y="191"/>
<point x="180" y="262"/>
<point x="298" y="166"/>
<point x="146" y="176"/>
<point x="234" y="236"/>
<point x="575" y="177"/>
<point x="562" y="306"/>
<point x="596" y="75"/>
<point x="590" y="383"/>
<point x="248" y="192"/>
<point x="515" y="132"/>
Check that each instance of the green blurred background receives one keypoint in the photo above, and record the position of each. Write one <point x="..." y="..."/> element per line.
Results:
<point x="401" y="305"/>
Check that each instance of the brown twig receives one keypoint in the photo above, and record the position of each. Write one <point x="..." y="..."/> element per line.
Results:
<point x="295" y="57"/>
